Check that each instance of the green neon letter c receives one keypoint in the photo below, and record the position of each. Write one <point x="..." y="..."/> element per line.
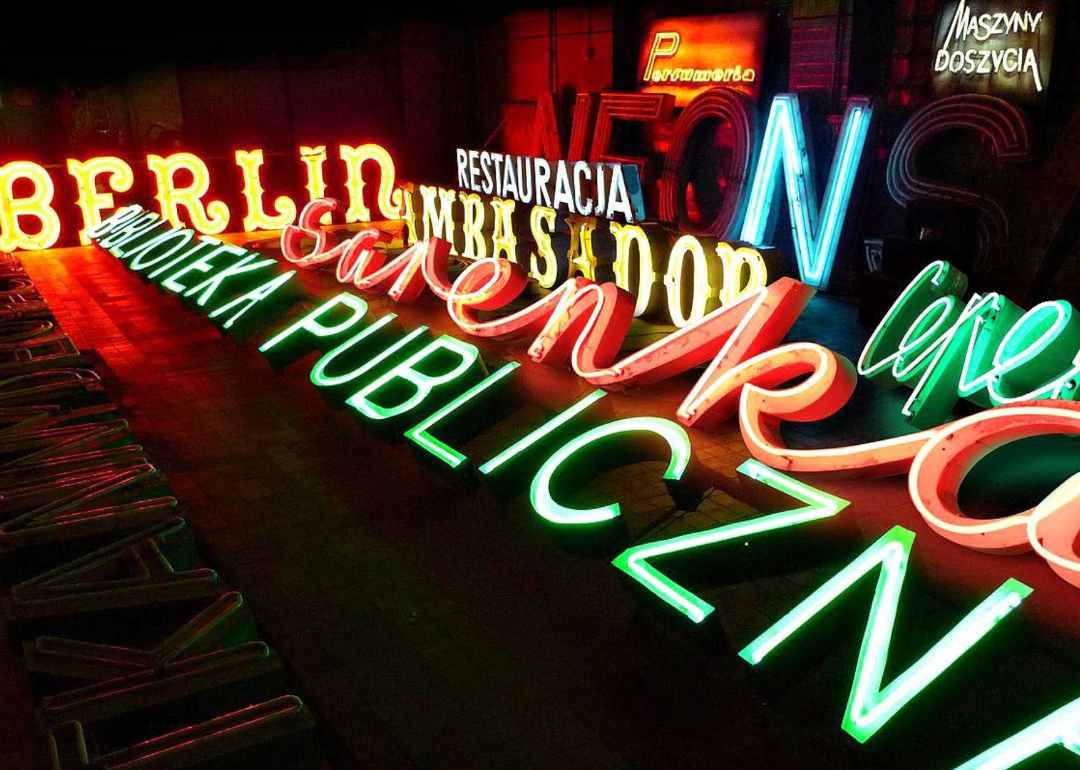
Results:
<point x="541" y="496"/>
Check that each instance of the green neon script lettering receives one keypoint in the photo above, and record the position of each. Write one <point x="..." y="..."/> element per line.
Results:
<point x="939" y="286"/>
<point x="869" y="706"/>
<point x="634" y="561"/>
<point x="1035" y="358"/>
<point x="983" y="322"/>
<point x="986" y="350"/>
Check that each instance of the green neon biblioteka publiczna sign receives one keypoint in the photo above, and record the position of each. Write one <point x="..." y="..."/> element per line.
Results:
<point x="398" y="383"/>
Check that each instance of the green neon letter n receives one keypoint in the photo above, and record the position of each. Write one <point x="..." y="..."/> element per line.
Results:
<point x="869" y="706"/>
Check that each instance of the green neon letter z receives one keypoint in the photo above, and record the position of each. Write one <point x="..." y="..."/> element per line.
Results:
<point x="634" y="561"/>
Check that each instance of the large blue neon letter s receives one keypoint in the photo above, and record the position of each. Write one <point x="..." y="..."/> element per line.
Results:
<point x="816" y="233"/>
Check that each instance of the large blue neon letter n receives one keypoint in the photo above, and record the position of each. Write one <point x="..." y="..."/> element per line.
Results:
<point x="815" y="232"/>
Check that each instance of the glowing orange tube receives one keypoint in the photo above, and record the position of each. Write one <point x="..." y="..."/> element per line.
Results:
<point x="490" y="284"/>
<point x="325" y="248"/>
<point x="589" y="325"/>
<point x="1052" y="529"/>
<point x="588" y="322"/>
<point x="358" y="251"/>
<point x="830" y="383"/>
<point x="404" y="278"/>
<point x="421" y="266"/>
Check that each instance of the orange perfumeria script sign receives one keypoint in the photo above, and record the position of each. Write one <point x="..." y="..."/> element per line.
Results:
<point x="687" y="55"/>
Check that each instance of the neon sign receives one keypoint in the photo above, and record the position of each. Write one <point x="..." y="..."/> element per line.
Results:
<point x="815" y="231"/>
<point x="685" y="55"/>
<point x="592" y="184"/>
<point x="666" y="45"/>
<point x="595" y="184"/>
<point x="388" y="196"/>
<point x="91" y="202"/>
<point x="149" y="246"/>
<point x="870" y="706"/>
<point x="557" y="184"/>
<point x="1001" y="126"/>
<point x="211" y="218"/>
<point x="256" y="217"/>
<point x="408" y="385"/>
<point x="634" y="561"/>
<point x="419" y="384"/>
<point x="183" y="190"/>
<point x="288" y="344"/>
<point x="736" y="110"/>
<point x="986" y="350"/>
<point x="937" y="459"/>
<point x="36" y="206"/>
<point x="585" y="322"/>
<point x="542" y="497"/>
<point x="990" y="45"/>
<point x="694" y="274"/>
<point x="784" y="150"/>
<point x="942" y="463"/>
<point x="314" y="158"/>
<point x="421" y="432"/>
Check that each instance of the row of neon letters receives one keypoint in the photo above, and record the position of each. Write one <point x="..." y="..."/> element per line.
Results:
<point x="816" y="229"/>
<point x="207" y="217"/>
<point x="587" y="322"/>
<point x="719" y="275"/>
<point x="870" y="706"/>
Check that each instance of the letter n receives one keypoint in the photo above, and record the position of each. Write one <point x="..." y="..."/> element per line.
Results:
<point x="870" y="706"/>
<point x="815" y="230"/>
